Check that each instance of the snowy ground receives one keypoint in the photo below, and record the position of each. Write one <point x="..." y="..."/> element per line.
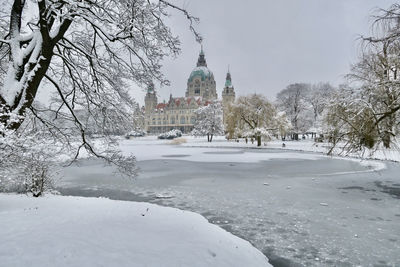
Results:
<point x="73" y="231"/>
<point x="298" y="208"/>
<point x="307" y="145"/>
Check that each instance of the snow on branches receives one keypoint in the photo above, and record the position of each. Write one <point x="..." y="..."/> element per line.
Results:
<point x="209" y="121"/>
<point x="366" y="113"/>
<point x="254" y="116"/>
<point x="87" y="53"/>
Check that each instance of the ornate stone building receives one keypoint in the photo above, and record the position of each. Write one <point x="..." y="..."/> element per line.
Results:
<point x="179" y="112"/>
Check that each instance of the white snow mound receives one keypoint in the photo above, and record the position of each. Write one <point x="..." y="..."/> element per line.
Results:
<point x="75" y="231"/>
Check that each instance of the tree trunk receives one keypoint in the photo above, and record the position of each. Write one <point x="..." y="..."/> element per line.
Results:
<point x="388" y="123"/>
<point x="208" y="138"/>
<point x="30" y="74"/>
<point x="258" y="140"/>
<point x="386" y="139"/>
<point x="211" y="138"/>
<point x="26" y="97"/>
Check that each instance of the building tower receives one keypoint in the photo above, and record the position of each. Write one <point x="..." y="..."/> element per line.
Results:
<point x="150" y="103"/>
<point x="228" y="94"/>
<point x="201" y="82"/>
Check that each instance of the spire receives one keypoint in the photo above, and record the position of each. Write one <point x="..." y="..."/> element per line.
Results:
<point x="228" y="81"/>
<point x="150" y="88"/>
<point x="201" y="62"/>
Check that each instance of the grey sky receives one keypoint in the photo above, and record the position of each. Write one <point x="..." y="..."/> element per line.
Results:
<point x="270" y="44"/>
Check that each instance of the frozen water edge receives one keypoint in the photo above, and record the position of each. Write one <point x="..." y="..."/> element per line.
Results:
<point x="359" y="225"/>
<point x="150" y="149"/>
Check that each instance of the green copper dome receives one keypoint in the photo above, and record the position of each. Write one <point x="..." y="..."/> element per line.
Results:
<point x="202" y="72"/>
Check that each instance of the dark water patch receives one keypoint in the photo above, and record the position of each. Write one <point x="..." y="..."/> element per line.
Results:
<point x="388" y="188"/>
<point x="207" y="214"/>
<point x="176" y="156"/>
<point x="381" y="264"/>
<point x="352" y="188"/>
<point x="278" y="261"/>
<point x="227" y="227"/>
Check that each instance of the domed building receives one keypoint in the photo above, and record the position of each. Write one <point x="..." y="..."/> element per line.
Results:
<point x="201" y="81"/>
<point x="179" y="112"/>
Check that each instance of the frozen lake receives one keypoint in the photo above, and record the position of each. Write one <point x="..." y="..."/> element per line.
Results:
<point x="299" y="209"/>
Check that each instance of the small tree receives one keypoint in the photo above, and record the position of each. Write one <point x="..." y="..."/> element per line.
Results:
<point x="209" y="121"/>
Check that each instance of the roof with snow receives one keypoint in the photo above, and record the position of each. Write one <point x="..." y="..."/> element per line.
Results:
<point x="161" y="106"/>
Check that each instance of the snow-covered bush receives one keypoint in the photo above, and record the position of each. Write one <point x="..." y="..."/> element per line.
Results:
<point x="35" y="176"/>
<point x="171" y="134"/>
<point x="26" y="164"/>
<point x="135" y="133"/>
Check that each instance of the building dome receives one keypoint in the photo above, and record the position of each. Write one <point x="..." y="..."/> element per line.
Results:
<point x="201" y="81"/>
<point x="202" y="72"/>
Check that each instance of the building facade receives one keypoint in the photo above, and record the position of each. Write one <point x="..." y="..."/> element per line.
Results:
<point x="179" y="112"/>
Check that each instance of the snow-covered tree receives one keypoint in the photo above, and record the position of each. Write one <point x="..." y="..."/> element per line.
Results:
<point x="366" y="114"/>
<point x="209" y="121"/>
<point x="254" y="116"/>
<point x="293" y="100"/>
<point x="319" y="97"/>
<point x="87" y="53"/>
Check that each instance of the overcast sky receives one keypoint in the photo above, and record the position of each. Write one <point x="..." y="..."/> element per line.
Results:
<point x="270" y="43"/>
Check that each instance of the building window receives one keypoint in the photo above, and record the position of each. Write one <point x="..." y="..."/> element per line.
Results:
<point x="182" y="120"/>
<point x="192" y="120"/>
<point x="197" y="91"/>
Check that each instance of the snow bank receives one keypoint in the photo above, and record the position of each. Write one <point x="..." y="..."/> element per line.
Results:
<point x="74" y="231"/>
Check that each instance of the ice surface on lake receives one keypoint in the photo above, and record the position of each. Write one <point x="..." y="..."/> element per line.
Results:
<point x="315" y="210"/>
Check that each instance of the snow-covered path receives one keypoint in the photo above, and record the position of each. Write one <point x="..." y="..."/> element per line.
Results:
<point x="295" y="207"/>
